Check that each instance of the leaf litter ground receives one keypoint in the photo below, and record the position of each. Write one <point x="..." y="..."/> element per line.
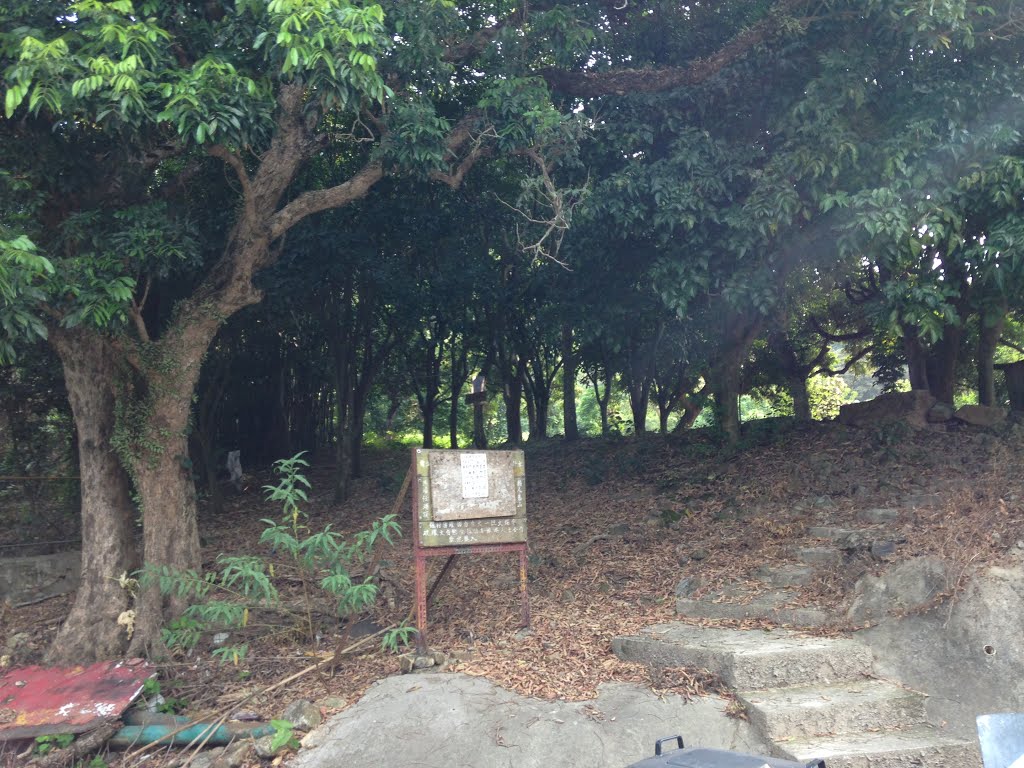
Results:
<point x="614" y="524"/>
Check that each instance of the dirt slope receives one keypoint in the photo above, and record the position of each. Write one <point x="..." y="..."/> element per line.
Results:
<point x="614" y="524"/>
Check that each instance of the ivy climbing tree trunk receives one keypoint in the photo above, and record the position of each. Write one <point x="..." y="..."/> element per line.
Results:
<point x="157" y="445"/>
<point x="91" y="631"/>
<point x="154" y="413"/>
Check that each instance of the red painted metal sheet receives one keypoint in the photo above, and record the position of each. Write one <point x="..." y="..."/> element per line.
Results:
<point x="35" y="701"/>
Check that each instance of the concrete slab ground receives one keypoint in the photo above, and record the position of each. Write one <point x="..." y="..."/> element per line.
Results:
<point x="447" y="720"/>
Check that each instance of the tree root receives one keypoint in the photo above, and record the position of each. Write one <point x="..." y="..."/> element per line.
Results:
<point x="79" y="748"/>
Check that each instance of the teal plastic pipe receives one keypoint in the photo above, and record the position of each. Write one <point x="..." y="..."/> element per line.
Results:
<point x="160" y="733"/>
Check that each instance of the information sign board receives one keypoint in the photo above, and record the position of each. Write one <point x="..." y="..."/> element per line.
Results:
<point x="467" y="503"/>
<point x="470" y="497"/>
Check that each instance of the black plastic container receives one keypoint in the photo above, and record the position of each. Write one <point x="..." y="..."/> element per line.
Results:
<point x="702" y="757"/>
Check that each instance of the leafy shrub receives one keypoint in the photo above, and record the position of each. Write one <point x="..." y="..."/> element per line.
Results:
<point x="223" y="598"/>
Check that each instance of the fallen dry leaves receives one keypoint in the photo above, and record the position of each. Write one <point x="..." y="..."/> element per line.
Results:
<point x="613" y="526"/>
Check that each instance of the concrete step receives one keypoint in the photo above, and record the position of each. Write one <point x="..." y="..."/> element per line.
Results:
<point x="748" y="659"/>
<point x="737" y="605"/>
<point x="922" y="745"/>
<point x="842" y="708"/>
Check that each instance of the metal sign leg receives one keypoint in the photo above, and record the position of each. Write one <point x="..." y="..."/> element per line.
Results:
<point x="523" y="593"/>
<point x="421" y="603"/>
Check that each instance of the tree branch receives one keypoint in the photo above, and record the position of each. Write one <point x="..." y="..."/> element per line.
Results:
<point x="1015" y="347"/>
<point x="318" y="200"/>
<point x="849" y="363"/>
<point x="461" y="136"/>
<point x="623" y="81"/>
<point x="829" y="336"/>
<point x="135" y="312"/>
<point x="229" y="157"/>
<point x="475" y="43"/>
<point x="821" y="357"/>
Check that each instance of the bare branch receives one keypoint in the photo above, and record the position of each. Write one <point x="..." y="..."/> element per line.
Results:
<point x="561" y="205"/>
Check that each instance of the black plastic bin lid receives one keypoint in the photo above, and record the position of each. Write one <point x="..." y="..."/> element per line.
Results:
<point x="700" y="757"/>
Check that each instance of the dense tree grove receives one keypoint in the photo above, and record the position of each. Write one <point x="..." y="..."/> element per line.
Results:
<point x="280" y="225"/>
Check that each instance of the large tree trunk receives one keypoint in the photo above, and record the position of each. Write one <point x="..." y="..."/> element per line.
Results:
<point x="513" y="393"/>
<point x="988" y="340"/>
<point x="639" y="399"/>
<point x="429" y="408"/>
<point x="726" y="377"/>
<point x="158" y="452"/>
<point x="531" y="412"/>
<point x="691" y="410"/>
<point x="917" y="359"/>
<point x="941" y="364"/>
<point x="725" y="384"/>
<point x="663" y="413"/>
<point x="794" y="371"/>
<point x="541" y="405"/>
<point x="639" y="373"/>
<point x="154" y="416"/>
<point x="602" y="400"/>
<point x="90" y="632"/>
<point x="801" y="398"/>
<point x="570" y="424"/>
<point x="170" y="539"/>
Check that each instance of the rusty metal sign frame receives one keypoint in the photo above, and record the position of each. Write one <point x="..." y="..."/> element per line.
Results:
<point x="422" y="513"/>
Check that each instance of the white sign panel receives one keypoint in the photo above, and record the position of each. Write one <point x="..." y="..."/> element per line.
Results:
<point x="474" y="475"/>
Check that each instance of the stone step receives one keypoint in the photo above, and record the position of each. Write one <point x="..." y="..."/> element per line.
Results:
<point x="748" y="659"/>
<point x="738" y="605"/>
<point x="784" y="574"/>
<point x="922" y="745"/>
<point x="831" y="532"/>
<point x="821" y="556"/>
<point x="878" y="516"/>
<point x="849" y="707"/>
